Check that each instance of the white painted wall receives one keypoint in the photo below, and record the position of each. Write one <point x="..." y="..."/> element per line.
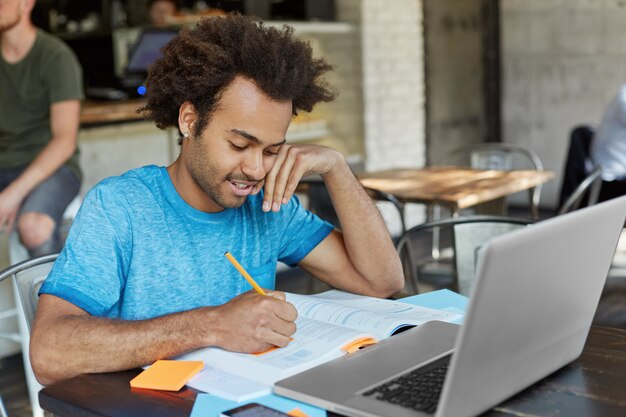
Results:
<point x="562" y="62"/>
<point x="115" y="149"/>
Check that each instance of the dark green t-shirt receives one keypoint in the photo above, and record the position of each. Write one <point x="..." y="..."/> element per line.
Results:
<point x="48" y="74"/>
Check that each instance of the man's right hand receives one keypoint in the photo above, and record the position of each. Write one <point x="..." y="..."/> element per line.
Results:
<point x="10" y="202"/>
<point x="254" y="323"/>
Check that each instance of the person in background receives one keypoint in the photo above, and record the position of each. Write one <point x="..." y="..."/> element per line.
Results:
<point x="143" y="274"/>
<point x="40" y="94"/>
<point x="608" y="147"/>
<point x="161" y="12"/>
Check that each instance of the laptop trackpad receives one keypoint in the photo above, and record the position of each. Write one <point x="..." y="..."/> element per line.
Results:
<point x="338" y="380"/>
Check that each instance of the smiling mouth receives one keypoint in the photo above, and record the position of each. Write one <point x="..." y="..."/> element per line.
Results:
<point x="241" y="188"/>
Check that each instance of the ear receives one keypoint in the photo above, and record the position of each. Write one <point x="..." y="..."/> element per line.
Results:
<point x="187" y="117"/>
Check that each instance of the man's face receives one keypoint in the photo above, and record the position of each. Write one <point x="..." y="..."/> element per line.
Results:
<point x="239" y="145"/>
<point x="11" y="12"/>
<point x="161" y="12"/>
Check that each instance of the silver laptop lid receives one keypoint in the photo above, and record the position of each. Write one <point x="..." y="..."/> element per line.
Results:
<point x="531" y="307"/>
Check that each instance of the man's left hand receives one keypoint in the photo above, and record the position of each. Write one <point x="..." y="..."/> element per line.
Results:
<point x="293" y="163"/>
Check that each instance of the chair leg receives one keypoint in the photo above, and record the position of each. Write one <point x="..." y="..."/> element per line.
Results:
<point x="33" y="385"/>
<point x="534" y="208"/>
<point x="3" y="411"/>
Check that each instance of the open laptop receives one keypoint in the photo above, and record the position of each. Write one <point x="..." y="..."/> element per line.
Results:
<point x="533" y="301"/>
<point x="144" y="52"/>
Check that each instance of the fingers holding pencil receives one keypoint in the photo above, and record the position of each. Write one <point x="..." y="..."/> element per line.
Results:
<point x="253" y="323"/>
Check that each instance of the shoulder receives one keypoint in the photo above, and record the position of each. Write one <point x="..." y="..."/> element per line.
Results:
<point x="51" y="45"/>
<point x="132" y="183"/>
<point x="53" y="50"/>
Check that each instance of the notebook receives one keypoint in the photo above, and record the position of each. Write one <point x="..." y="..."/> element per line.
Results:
<point x="534" y="297"/>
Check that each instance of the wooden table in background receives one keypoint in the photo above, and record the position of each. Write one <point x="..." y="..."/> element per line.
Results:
<point x="104" y="112"/>
<point x="594" y="385"/>
<point x="456" y="188"/>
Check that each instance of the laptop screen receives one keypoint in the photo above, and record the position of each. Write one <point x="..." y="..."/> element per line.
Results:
<point x="148" y="49"/>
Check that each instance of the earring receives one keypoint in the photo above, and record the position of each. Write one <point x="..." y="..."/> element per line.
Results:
<point x="185" y="134"/>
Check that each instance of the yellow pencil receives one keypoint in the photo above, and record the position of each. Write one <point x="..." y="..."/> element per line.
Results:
<point x="245" y="274"/>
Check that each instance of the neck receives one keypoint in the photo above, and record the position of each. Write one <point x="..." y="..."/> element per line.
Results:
<point x="16" y="42"/>
<point x="188" y="190"/>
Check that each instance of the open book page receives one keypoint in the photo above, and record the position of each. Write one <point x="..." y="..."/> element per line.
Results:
<point x="327" y="325"/>
<point x="376" y="316"/>
<point x="313" y="343"/>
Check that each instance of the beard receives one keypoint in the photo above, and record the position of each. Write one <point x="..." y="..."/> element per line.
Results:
<point x="206" y="175"/>
<point x="211" y="185"/>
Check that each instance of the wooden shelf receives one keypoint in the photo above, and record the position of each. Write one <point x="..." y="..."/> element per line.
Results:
<point x="314" y="27"/>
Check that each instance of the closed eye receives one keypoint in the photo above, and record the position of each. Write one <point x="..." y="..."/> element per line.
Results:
<point x="237" y="148"/>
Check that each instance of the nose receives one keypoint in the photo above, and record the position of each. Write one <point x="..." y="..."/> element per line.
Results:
<point x="253" y="165"/>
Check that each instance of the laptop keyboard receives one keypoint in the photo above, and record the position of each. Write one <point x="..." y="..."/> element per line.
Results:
<point x="419" y="389"/>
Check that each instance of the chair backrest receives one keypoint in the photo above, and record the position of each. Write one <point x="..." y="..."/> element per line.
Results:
<point x="578" y="164"/>
<point x="383" y="197"/>
<point x="498" y="156"/>
<point x="28" y="277"/>
<point x="464" y="236"/>
<point x="493" y="155"/>
<point x="321" y="204"/>
<point x="589" y="187"/>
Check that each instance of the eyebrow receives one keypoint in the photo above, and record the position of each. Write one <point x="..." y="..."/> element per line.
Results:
<point x="253" y="138"/>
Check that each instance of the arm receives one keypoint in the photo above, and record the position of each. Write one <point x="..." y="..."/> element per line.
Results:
<point x="361" y="258"/>
<point x="66" y="341"/>
<point x="64" y="120"/>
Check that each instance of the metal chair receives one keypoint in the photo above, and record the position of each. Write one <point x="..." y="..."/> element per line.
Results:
<point x="462" y="237"/>
<point x="589" y="187"/>
<point x="27" y="277"/>
<point x="321" y="204"/>
<point x="498" y="156"/>
<point x="3" y="411"/>
<point x="383" y="197"/>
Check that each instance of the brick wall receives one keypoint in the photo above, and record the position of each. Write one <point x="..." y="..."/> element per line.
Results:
<point x="393" y="83"/>
<point x="393" y="91"/>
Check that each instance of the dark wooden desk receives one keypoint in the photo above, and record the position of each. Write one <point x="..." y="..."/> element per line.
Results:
<point x="593" y="385"/>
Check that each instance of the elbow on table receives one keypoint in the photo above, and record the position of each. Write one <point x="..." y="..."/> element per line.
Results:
<point x="393" y="284"/>
<point x="42" y="363"/>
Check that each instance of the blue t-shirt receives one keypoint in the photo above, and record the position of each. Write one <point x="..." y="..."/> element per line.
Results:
<point x="137" y="250"/>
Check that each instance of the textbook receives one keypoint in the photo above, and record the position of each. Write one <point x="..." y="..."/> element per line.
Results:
<point x="329" y="325"/>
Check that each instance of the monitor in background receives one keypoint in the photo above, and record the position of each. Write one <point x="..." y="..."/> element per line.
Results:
<point x="144" y="52"/>
<point x="147" y="49"/>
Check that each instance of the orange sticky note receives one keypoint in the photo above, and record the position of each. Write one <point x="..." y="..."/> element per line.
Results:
<point x="296" y="412"/>
<point x="167" y="375"/>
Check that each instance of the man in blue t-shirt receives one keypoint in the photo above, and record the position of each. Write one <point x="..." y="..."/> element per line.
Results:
<point x="143" y="274"/>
